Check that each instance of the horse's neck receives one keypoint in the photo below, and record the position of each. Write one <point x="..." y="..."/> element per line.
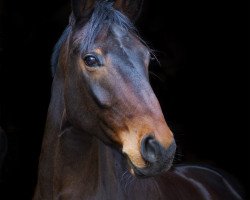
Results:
<point x="85" y="167"/>
<point x="89" y="169"/>
<point x="70" y="161"/>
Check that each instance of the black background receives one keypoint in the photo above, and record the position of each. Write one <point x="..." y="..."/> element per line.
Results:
<point x="201" y="83"/>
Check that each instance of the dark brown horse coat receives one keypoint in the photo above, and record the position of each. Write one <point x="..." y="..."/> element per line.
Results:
<point x="106" y="137"/>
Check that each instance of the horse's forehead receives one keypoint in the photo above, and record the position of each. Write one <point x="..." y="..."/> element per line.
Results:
<point x="118" y="31"/>
<point x="120" y="41"/>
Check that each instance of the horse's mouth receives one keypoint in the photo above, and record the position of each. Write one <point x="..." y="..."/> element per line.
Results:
<point x="151" y="169"/>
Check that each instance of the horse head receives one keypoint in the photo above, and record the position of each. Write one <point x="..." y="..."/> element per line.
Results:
<point x="106" y="84"/>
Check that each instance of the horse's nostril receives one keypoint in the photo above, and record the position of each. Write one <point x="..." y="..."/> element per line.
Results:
<point x="150" y="149"/>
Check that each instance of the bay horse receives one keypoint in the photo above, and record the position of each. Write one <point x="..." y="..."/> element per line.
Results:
<point x="105" y="136"/>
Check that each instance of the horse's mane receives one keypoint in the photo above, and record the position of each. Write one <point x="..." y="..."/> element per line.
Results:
<point x="104" y="14"/>
<point x="57" y="48"/>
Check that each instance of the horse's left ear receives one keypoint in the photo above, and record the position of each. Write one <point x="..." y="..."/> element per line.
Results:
<point x="131" y="8"/>
<point x="82" y="9"/>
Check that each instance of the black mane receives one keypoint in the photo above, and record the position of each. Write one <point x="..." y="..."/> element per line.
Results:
<point x="57" y="48"/>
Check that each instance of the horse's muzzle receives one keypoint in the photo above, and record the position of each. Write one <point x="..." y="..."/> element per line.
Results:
<point x="157" y="158"/>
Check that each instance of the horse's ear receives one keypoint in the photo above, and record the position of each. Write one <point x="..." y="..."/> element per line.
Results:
<point x="82" y="9"/>
<point x="131" y="8"/>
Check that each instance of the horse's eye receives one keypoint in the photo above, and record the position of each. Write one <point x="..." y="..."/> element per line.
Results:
<point x="91" y="61"/>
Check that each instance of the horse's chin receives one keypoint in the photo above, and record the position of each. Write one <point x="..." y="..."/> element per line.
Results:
<point x="150" y="170"/>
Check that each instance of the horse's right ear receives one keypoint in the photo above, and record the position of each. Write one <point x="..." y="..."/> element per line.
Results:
<point x="131" y="8"/>
<point x="82" y="9"/>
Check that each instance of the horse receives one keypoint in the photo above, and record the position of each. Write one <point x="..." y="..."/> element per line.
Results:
<point x="106" y="136"/>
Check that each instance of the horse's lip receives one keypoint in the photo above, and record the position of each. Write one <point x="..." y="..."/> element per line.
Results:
<point x="135" y="169"/>
<point x="149" y="170"/>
